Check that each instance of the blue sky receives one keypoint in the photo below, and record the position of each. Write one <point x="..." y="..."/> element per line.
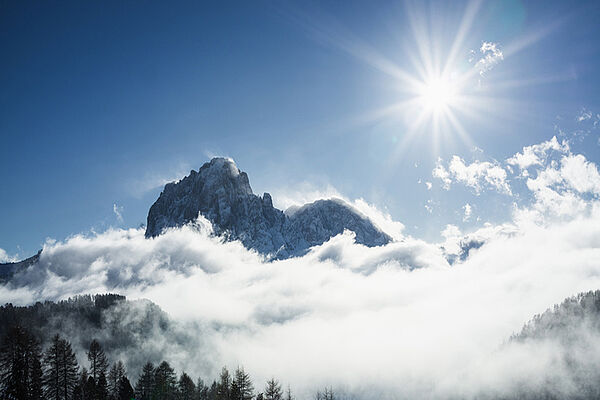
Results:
<point x="101" y="102"/>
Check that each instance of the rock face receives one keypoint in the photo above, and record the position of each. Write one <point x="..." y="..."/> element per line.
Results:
<point x="7" y="270"/>
<point x="221" y="193"/>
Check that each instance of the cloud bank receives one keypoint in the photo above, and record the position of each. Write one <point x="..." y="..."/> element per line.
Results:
<point x="393" y="321"/>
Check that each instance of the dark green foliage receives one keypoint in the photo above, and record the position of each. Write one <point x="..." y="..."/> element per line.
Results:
<point x="97" y="358"/>
<point x="101" y="387"/>
<point x="165" y="382"/>
<point x="125" y="391"/>
<point x="273" y="390"/>
<point x="116" y="373"/>
<point x="186" y="389"/>
<point x="20" y="367"/>
<point x="60" y="370"/>
<point x="223" y="387"/>
<point x="201" y="390"/>
<point x="244" y="389"/>
<point x="119" y="325"/>
<point x="145" y="384"/>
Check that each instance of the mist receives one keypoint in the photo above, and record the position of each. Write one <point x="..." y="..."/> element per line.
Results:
<point x="395" y="321"/>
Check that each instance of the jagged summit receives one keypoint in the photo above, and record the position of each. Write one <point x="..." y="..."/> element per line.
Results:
<point x="221" y="192"/>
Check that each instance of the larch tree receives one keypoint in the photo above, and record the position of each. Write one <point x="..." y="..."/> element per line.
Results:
<point x="273" y="390"/>
<point x="60" y="370"/>
<point x="117" y="371"/>
<point x="186" y="388"/>
<point x="145" y="383"/>
<point x="243" y="385"/>
<point x="224" y="385"/>
<point x="125" y="391"/>
<point x="165" y="382"/>
<point x="20" y="367"/>
<point x="97" y="358"/>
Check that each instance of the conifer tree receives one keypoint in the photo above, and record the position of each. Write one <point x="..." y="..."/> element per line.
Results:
<point x="242" y="387"/>
<point x="201" y="390"/>
<point x="60" y="370"/>
<point x="224" y="385"/>
<point x="117" y="371"/>
<point x="165" y="382"/>
<point x="212" y="392"/>
<point x="101" y="387"/>
<point x="273" y="390"/>
<point x="186" y="389"/>
<point x="288" y="394"/>
<point x="97" y="358"/>
<point x="145" y="384"/>
<point x="125" y="391"/>
<point x="20" y="368"/>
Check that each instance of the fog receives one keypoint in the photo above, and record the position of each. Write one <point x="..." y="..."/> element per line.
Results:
<point x="393" y="321"/>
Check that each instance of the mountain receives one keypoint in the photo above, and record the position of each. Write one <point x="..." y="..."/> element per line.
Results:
<point x="569" y="335"/>
<point x="565" y="321"/>
<point x="220" y="192"/>
<point x="132" y="331"/>
<point x="7" y="270"/>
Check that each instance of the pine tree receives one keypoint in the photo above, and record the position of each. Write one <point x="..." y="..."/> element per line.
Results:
<point x="186" y="389"/>
<point x="212" y="393"/>
<point x="117" y="371"/>
<point x="20" y="368"/>
<point x="224" y="385"/>
<point x="234" y="391"/>
<point x="60" y="370"/>
<point x="125" y="391"/>
<point x="201" y="390"/>
<point x="242" y="384"/>
<point x="101" y="387"/>
<point x="165" y="382"/>
<point x="288" y="394"/>
<point x="145" y="383"/>
<point x="273" y="390"/>
<point x="36" y="376"/>
<point x="97" y="358"/>
<point x="90" y="389"/>
<point x="327" y="394"/>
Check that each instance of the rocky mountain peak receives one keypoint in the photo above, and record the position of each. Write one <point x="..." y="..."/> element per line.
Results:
<point x="221" y="192"/>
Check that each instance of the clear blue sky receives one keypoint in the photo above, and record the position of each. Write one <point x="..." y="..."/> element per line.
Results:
<point x="101" y="100"/>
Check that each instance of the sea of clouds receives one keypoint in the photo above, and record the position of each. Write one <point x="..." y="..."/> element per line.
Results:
<point x="397" y="321"/>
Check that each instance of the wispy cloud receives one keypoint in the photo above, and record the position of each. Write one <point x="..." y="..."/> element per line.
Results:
<point x="118" y="210"/>
<point x="488" y="56"/>
<point x="477" y="175"/>
<point x="468" y="211"/>
<point x="153" y="180"/>
<point x="537" y="154"/>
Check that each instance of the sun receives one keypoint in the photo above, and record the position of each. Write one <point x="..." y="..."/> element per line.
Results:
<point x="438" y="94"/>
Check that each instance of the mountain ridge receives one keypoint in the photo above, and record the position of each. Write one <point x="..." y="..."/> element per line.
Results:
<point x="222" y="193"/>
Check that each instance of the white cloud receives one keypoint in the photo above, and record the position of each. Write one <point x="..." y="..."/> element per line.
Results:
<point x="429" y="185"/>
<point x="154" y="180"/>
<point x="491" y="55"/>
<point x="537" y="154"/>
<point x="394" y="321"/>
<point x="580" y="174"/>
<point x="297" y="318"/>
<point x="476" y="175"/>
<point x="584" y="115"/>
<point x="118" y="210"/>
<point x="468" y="211"/>
<point x="5" y="258"/>
<point x="303" y="193"/>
